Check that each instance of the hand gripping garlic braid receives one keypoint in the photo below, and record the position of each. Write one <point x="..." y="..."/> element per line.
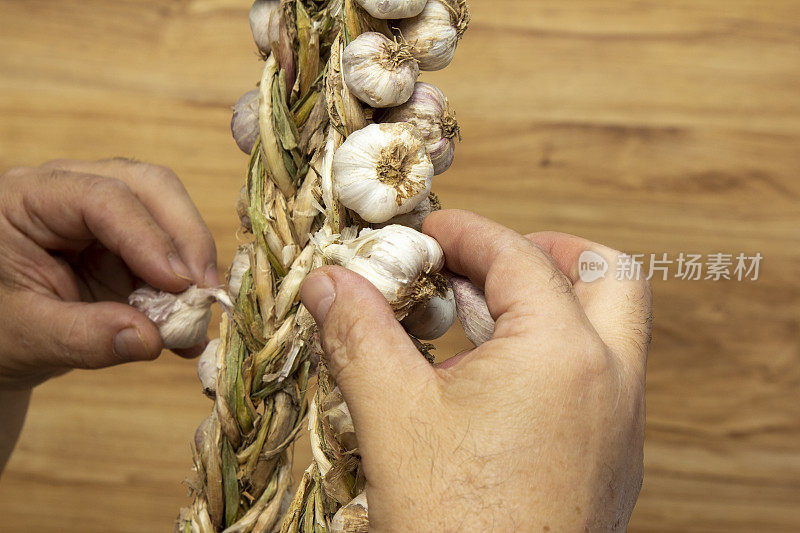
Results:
<point x="344" y="143"/>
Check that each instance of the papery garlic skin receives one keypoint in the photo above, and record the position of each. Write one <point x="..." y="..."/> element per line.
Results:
<point x="434" y="33"/>
<point x="259" y="23"/>
<point x="182" y="319"/>
<point x="382" y="171"/>
<point x="207" y="369"/>
<point x="402" y="263"/>
<point x="379" y="72"/>
<point x="244" y="123"/>
<point x="429" y="111"/>
<point x="472" y="311"/>
<point x="353" y="517"/>
<point x="239" y="266"/>
<point x="415" y="218"/>
<point x="430" y="320"/>
<point x="392" y="9"/>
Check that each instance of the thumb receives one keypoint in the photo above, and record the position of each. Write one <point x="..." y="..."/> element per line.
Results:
<point x="53" y="334"/>
<point x="369" y="354"/>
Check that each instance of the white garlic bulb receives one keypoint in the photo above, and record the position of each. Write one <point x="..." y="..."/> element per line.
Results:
<point x="182" y="319"/>
<point x="379" y="72"/>
<point x="244" y="123"/>
<point x="207" y="369"/>
<point x="382" y="171"/>
<point x="434" y="33"/>
<point x="393" y="9"/>
<point x="472" y="311"/>
<point x="402" y="263"/>
<point x="353" y="517"/>
<point x="239" y="266"/>
<point x="432" y="319"/>
<point x="259" y="23"/>
<point x="416" y="218"/>
<point x="429" y="111"/>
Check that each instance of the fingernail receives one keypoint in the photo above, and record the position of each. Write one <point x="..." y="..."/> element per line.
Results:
<point x="179" y="268"/>
<point x="318" y="294"/>
<point x="212" y="277"/>
<point x="129" y="345"/>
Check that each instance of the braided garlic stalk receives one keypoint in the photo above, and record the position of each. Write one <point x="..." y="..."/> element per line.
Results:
<point x="321" y="171"/>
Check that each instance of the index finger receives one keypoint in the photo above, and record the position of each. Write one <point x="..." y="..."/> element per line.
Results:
<point x="170" y="205"/>
<point x="522" y="283"/>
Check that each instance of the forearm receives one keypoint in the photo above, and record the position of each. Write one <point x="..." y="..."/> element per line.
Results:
<point x="13" y="406"/>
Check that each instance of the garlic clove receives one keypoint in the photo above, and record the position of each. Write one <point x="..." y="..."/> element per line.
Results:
<point x="392" y="9"/>
<point x="379" y="72"/>
<point x="244" y="123"/>
<point x="402" y="263"/>
<point x="259" y="23"/>
<point x="429" y="111"/>
<point x="353" y="517"/>
<point x="432" y="319"/>
<point x="208" y="369"/>
<point x="472" y="311"/>
<point x="416" y="218"/>
<point x="182" y="319"/>
<point x="382" y="171"/>
<point x="435" y="32"/>
<point x="239" y="266"/>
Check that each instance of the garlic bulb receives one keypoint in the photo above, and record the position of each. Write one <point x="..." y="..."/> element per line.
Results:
<point x="382" y="171"/>
<point x="392" y="9"/>
<point x="429" y="111"/>
<point x="353" y="517"/>
<point x="432" y="319"/>
<point x="239" y="266"/>
<point x="472" y="311"/>
<point x="379" y="72"/>
<point x="402" y="263"/>
<point x="434" y="33"/>
<point x="259" y="23"/>
<point x="207" y="369"/>
<point x="415" y="218"/>
<point x="182" y="319"/>
<point x="244" y="123"/>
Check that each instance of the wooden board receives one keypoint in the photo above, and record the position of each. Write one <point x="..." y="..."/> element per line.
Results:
<point x="653" y="127"/>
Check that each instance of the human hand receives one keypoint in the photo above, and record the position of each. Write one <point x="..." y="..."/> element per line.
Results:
<point x="539" y="429"/>
<point x="76" y="238"/>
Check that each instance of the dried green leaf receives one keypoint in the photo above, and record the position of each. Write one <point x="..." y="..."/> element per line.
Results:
<point x="230" y="483"/>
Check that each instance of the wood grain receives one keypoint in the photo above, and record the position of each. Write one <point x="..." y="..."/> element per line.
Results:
<point x="648" y="126"/>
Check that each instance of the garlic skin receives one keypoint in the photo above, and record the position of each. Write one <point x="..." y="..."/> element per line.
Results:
<point x="239" y="266"/>
<point x="429" y="111"/>
<point x="379" y="72"/>
<point x="392" y="9"/>
<point x="382" y="171"/>
<point x="259" y="23"/>
<point x="416" y="218"/>
<point x="472" y="311"/>
<point x="434" y="33"/>
<point x="182" y="319"/>
<point x="244" y="123"/>
<point x="207" y="369"/>
<point x="353" y="517"/>
<point x="432" y="319"/>
<point x="402" y="263"/>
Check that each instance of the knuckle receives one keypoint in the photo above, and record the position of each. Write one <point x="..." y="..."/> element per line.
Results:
<point x="57" y="163"/>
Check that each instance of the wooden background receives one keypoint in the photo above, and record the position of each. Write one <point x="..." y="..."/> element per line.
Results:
<point x="648" y="126"/>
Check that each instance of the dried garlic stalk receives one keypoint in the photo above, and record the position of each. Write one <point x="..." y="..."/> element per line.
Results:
<point x="305" y="108"/>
